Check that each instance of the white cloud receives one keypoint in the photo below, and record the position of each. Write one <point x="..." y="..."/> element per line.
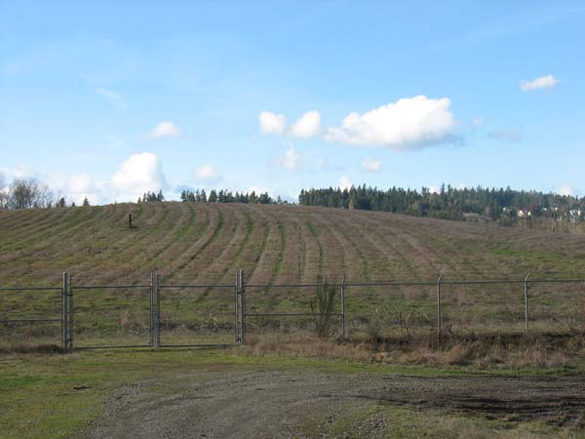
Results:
<point x="113" y="97"/>
<point x="261" y="190"/>
<point x="566" y="190"/>
<point x="165" y="129"/>
<point x="139" y="174"/>
<point x="80" y="183"/>
<point x="291" y="160"/>
<point x="271" y="123"/>
<point x="506" y="135"/>
<point x="308" y="125"/>
<point x="207" y="174"/>
<point x="344" y="183"/>
<point x="408" y="123"/>
<point x="371" y="165"/>
<point x="547" y="81"/>
<point x="477" y="121"/>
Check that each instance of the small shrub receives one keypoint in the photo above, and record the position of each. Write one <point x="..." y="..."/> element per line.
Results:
<point x="323" y="304"/>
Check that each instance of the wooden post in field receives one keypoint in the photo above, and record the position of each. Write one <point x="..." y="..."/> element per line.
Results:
<point x="526" y="303"/>
<point x="439" y="305"/>
<point x="64" y="321"/>
<point x="130" y="220"/>
<point x="342" y="294"/>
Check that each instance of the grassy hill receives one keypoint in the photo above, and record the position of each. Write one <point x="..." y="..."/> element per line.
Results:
<point x="207" y="243"/>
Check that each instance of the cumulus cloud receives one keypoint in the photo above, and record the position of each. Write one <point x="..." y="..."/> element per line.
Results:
<point x="371" y="165"/>
<point x="164" y="129"/>
<point x="81" y="186"/>
<point x="140" y="173"/>
<point x="344" y="183"/>
<point x="547" y="81"/>
<point x="408" y="123"/>
<point x="506" y="135"/>
<point x="114" y="98"/>
<point x="271" y="123"/>
<point x="308" y="125"/>
<point x="207" y="174"/>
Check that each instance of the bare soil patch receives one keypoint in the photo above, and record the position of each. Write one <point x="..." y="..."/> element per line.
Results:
<point x="281" y="404"/>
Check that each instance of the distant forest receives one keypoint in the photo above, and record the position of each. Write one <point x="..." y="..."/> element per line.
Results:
<point x="505" y="206"/>
<point x="225" y="196"/>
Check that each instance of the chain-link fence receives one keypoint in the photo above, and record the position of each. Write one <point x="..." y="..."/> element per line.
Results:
<point x="157" y="314"/>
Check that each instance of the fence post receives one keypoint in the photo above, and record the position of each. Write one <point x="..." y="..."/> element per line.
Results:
<point x="157" y="310"/>
<point x="439" y="305"/>
<point x="70" y="282"/>
<point x="64" y="320"/>
<point x="526" y="303"/>
<point x="237" y="338"/>
<point x="243" y="291"/>
<point x="151" y="311"/>
<point x="342" y="294"/>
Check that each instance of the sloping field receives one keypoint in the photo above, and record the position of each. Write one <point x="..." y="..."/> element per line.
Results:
<point x="194" y="243"/>
<point x="206" y="243"/>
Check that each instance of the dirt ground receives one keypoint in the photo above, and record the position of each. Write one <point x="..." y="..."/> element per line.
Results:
<point x="281" y="404"/>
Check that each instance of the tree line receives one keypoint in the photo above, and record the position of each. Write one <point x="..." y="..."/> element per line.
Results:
<point x="28" y="193"/>
<point x="503" y="205"/>
<point x="225" y="196"/>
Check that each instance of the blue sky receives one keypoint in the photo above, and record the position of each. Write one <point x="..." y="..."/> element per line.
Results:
<point x="107" y="100"/>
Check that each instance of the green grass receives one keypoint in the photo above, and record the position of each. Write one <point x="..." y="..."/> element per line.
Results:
<point x="394" y="422"/>
<point x="53" y="396"/>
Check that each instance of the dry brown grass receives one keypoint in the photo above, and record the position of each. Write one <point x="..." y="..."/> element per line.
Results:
<point x="481" y="351"/>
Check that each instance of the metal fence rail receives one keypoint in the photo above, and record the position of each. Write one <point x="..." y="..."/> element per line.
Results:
<point x="155" y="291"/>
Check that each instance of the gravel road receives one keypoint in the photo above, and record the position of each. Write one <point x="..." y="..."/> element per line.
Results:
<point x="281" y="404"/>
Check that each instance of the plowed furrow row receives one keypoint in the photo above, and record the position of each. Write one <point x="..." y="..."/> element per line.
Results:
<point x="181" y="231"/>
<point x="264" y="270"/>
<point x="313" y="270"/>
<point x="206" y="223"/>
<point x="356" y="265"/>
<point x="332" y="254"/>
<point x="18" y="224"/>
<point x="117" y="257"/>
<point x="204" y="254"/>
<point x="97" y="237"/>
<point x="38" y="249"/>
<point x="46" y="230"/>
<point x="228" y="272"/>
<point x="293" y="249"/>
<point x="223" y="252"/>
<point x="372" y="240"/>
<point x="247" y="256"/>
